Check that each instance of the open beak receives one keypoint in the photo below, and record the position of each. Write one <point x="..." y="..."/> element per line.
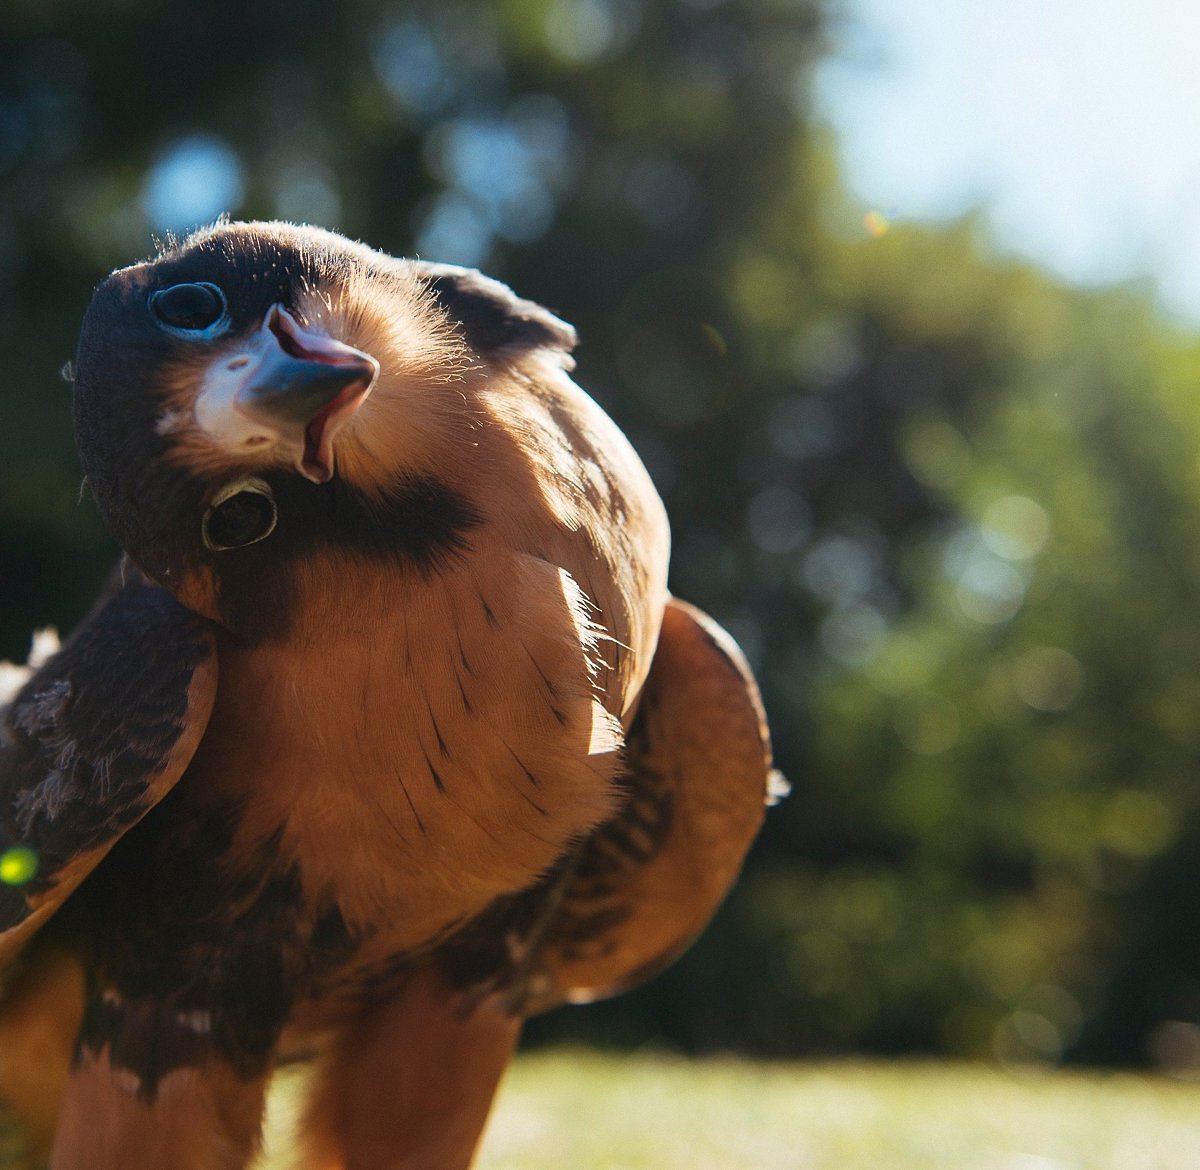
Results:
<point x="289" y="386"/>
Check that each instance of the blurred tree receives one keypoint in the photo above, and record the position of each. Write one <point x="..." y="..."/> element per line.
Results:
<point x="1004" y="719"/>
<point x="947" y="505"/>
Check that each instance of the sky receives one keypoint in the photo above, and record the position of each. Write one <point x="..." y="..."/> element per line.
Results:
<point x="1074" y="124"/>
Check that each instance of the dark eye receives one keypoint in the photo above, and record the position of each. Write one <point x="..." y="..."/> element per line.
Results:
<point x="243" y="513"/>
<point x="189" y="306"/>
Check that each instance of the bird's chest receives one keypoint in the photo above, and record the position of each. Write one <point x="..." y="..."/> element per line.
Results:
<point x="417" y="769"/>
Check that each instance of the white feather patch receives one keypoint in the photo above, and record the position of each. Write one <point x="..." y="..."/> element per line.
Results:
<point x="13" y="677"/>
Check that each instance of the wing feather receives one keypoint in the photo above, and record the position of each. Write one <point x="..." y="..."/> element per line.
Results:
<point x="642" y="886"/>
<point x="92" y="741"/>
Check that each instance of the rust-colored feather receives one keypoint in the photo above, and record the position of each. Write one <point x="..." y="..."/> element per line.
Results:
<point x="408" y="1083"/>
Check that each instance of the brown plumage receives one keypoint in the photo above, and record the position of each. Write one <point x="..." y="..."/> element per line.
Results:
<point x="387" y="733"/>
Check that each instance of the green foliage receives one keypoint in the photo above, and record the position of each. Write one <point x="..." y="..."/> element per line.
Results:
<point x="1010" y="745"/>
<point x="947" y="505"/>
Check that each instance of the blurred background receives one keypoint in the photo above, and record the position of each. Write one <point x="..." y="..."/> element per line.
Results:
<point x="898" y="302"/>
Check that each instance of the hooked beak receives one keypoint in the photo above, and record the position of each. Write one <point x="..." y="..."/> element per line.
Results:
<point x="289" y="386"/>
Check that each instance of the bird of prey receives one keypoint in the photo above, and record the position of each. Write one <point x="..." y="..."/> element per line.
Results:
<point x="385" y="734"/>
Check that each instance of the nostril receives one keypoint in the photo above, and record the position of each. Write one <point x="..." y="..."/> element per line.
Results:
<point x="278" y="323"/>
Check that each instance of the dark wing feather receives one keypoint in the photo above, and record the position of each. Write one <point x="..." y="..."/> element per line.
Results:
<point x="92" y="742"/>
<point x="491" y="316"/>
<point x="637" y="892"/>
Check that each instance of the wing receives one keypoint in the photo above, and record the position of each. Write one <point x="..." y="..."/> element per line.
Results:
<point x="95" y="738"/>
<point x="641" y="887"/>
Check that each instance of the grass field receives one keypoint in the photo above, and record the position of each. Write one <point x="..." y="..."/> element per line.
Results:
<point x="573" y="1110"/>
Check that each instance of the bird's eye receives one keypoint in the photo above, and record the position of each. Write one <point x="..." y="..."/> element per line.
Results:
<point x="242" y="513"/>
<point x="190" y="307"/>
